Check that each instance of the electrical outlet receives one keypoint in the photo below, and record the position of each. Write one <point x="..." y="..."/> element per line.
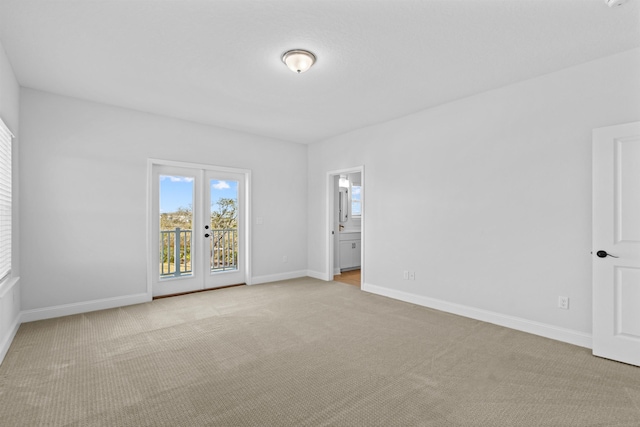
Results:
<point x="405" y="275"/>
<point x="285" y="258"/>
<point x="412" y="275"/>
<point x="563" y="303"/>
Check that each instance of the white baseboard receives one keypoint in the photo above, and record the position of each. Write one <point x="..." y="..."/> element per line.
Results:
<point x="570" y="336"/>
<point x="317" y="275"/>
<point x="82" y="307"/>
<point x="279" y="276"/>
<point x="8" y="339"/>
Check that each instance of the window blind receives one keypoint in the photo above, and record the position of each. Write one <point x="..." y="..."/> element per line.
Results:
<point x="5" y="200"/>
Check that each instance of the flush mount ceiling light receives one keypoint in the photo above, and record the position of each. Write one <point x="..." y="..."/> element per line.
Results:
<point x="298" y="60"/>
<point x="615" y="3"/>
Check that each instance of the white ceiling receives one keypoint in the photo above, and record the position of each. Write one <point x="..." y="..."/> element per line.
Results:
<point x="218" y="62"/>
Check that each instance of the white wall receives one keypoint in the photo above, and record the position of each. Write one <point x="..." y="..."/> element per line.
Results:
<point x="10" y="289"/>
<point x="487" y="199"/>
<point x="84" y="198"/>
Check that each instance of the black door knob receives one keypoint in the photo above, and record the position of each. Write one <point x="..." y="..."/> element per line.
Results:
<point x="207" y="235"/>
<point x="604" y="254"/>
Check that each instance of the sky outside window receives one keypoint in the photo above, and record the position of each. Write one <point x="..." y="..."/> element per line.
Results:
<point x="177" y="192"/>
<point x="223" y="190"/>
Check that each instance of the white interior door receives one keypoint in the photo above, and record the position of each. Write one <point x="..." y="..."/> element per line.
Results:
<point x="197" y="229"/>
<point x="616" y="243"/>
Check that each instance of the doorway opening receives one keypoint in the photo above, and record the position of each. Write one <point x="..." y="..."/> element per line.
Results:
<point x="345" y="225"/>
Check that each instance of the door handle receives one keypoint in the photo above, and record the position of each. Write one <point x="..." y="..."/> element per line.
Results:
<point x="604" y="254"/>
<point x="206" y="235"/>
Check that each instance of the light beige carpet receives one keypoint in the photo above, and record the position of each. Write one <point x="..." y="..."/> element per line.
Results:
<point x="302" y="353"/>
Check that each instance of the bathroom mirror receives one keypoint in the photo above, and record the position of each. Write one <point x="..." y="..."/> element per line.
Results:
<point x="343" y="204"/>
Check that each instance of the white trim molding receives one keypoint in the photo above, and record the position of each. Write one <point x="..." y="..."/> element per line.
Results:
<point x="8" y="339"/>
<point x="83" y="307"/>
<point x="570" y="336"/>
<point x="279" y="276"/>
<point x="319" y="275"/>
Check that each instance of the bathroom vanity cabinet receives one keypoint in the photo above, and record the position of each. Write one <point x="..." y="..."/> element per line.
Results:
<point x="350" y="250"/>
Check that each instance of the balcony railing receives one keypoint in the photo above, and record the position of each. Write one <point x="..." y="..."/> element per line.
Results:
<point x="224" y="249"/>
<point x="175" y="252"/>
<point x="176" y="249"/>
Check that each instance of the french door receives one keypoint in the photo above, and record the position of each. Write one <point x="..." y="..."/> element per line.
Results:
<point x="197" y="228"/>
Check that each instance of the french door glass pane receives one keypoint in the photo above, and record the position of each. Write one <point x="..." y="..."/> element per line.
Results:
<point x="224" y="225"/>
<point x="176" y="225"/>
